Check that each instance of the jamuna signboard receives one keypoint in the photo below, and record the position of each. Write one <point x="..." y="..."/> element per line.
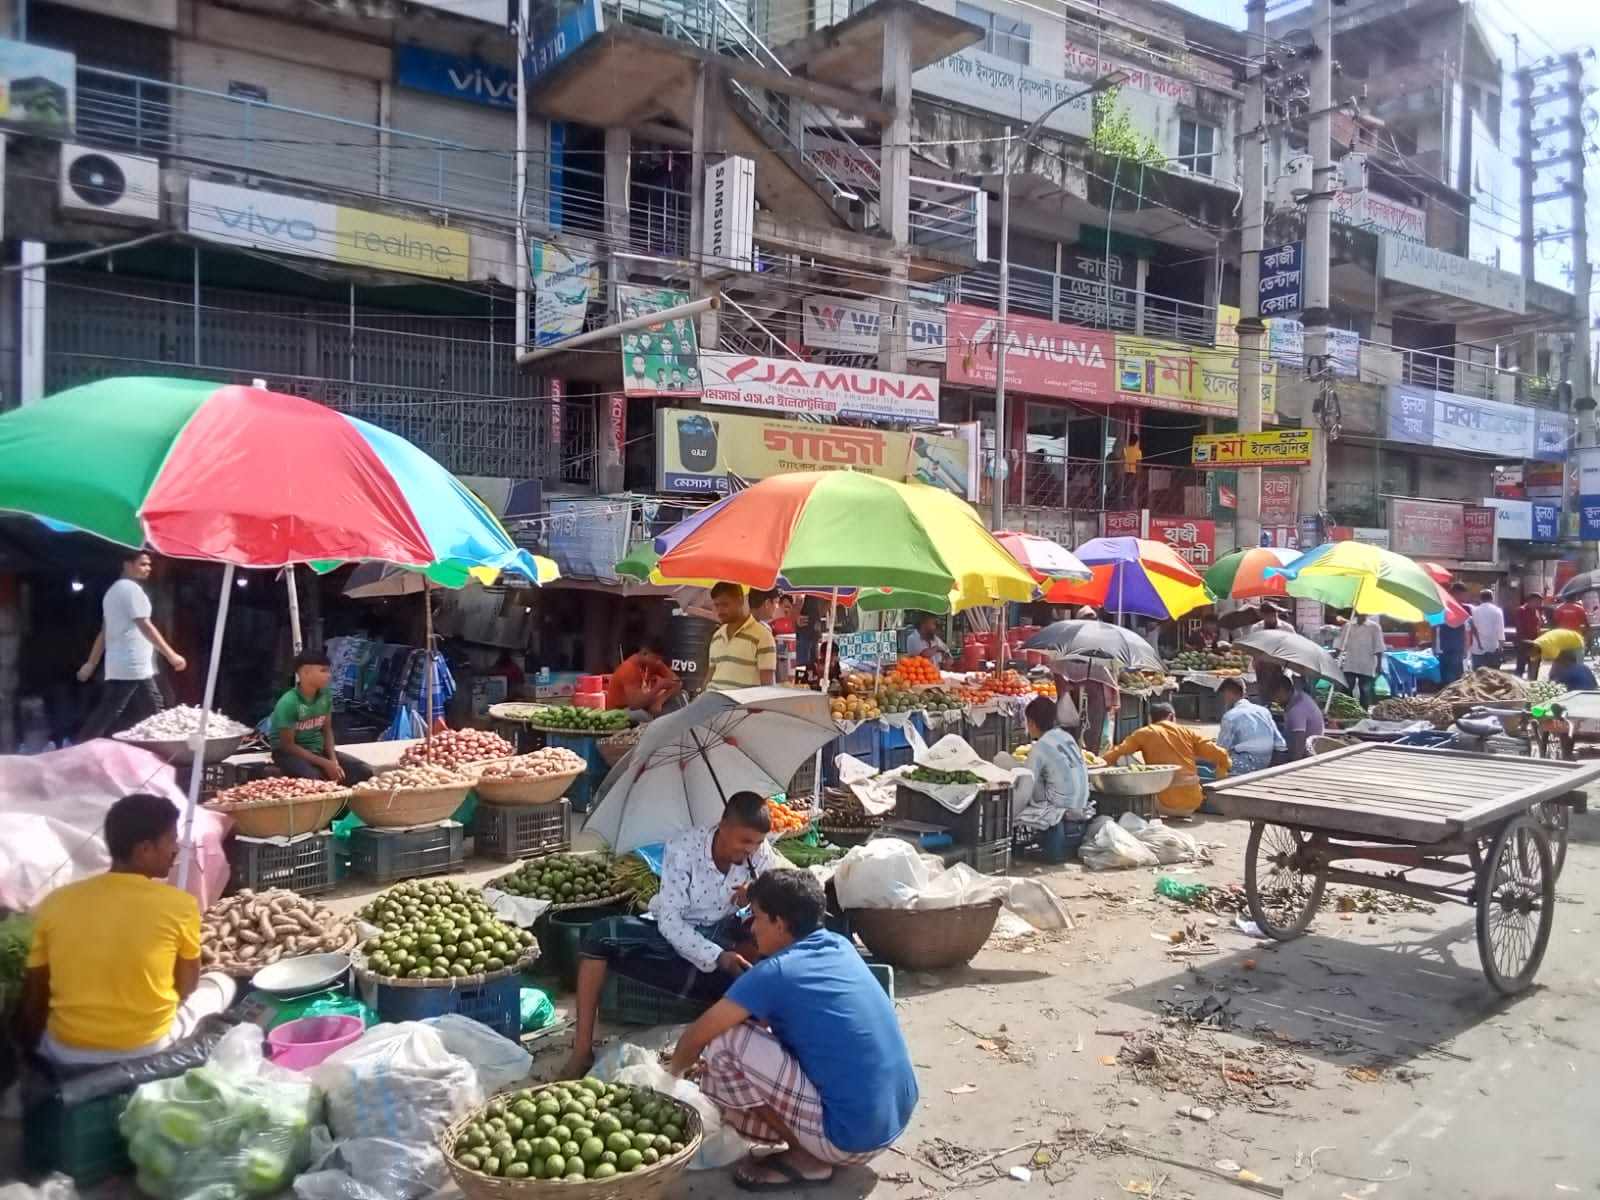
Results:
<point x="1194" y="540"/>
<point x="1043" y="358"/>
<point x="785" y="386"/>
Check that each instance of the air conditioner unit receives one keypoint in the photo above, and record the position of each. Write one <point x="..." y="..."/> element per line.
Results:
<point x="119" y="187"/>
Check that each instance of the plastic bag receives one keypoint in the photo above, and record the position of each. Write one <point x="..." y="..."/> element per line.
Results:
<point x="638" y="1066"/>
<point x="375" y="1169"/>
<point x="74" y="1085"/>
<point x="54" y="1187"/>
<point x="1167" y="844"/>
<point x="499" y="1061"/>
<point x="537" y="1009"/>
<point x="889" y="873"/>
<point x="397" y="1082"/>
<point x="236" y="1126"/>
<point x="1107" y="847"/>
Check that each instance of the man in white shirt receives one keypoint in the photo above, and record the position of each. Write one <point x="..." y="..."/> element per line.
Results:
<point x="1363" y="655"/>
<point x="691" y="943"/>
<point x="925" y="640"/>
<point x="1486" y="630"/>
<point x="128" y="639"/>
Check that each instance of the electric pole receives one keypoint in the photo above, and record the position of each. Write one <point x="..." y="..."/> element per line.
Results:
<point x="1319" y="217"/>
<point x="1252" y="347"/>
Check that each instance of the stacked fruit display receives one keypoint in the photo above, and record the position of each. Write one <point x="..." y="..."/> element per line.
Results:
<point x="438" y="930"/>
<point x="854" y="708"/>
<point x="1211" y="660"/>
<point x="1045" y="687"/>
<point x="582" y="720"/>
<point x="455" y="748"/>
<point x="912" y="670"/>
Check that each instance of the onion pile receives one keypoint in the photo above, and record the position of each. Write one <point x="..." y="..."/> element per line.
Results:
<point x="281" y="789"/>
<point x="254" y="929"/>
<point x="553" y="760"/>
<point x="411" y="777"/>
<point x="175" y="724"/>
<point x="457" y="748"/>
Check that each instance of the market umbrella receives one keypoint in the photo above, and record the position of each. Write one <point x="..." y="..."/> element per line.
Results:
<point x="1243" y="575"/>
<point x="1137" y="576"/>
<point x="1097" y="639"/>
<point x="686" y="764"/>
<point x="1045" y="560"/>
<point x="1437" y="573"/>
<point x="1289" y="649"/>
<point x="381" y="581"/>
<point x="1579" y="585"/>
<point x="244" y="477"/>
<point x="1364" y="578"/>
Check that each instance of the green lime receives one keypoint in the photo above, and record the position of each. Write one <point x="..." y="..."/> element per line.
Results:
<point x="629" y="1160"/>
<point x="491" y="1165"/>
<point x="610" y="1156"/>
<point x="603" y="1171"/>
<point x="470" y="1161"/>
<point x="607" y="1124"/>
<point x="619" y="1142"/>
<point x="592" y="1149"/>
<point x="518" y="1170"/>
<point x="514" y="1124"/>
<point x="662" y="1144"/>
<point x="574" y="1174"/>
<point x="546" y="1146"/>
<point x="570" y="1149"/>
<point x="644" y="1125"/>
<point x="592" y="1085"/>
<point x="554" y="1167"/>
<point x="562" y="1132"/>
<point x="651" y="1157"/>
<point x="643" y="1141"/>
<point x="549" y="1107"/>
<point x="672" y="1131"/>
<point x="524" y="1149"/>
<point x="545" y="1123"/>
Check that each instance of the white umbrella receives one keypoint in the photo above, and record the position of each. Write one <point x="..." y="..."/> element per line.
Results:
<point x="687" y="763"/>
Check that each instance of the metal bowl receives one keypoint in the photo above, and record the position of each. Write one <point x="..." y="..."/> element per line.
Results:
<point x="1114" y="781"/>
<point x="177" y="752"/>
<point x="301" y="976"/>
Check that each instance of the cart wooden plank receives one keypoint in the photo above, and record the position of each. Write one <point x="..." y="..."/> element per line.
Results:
<point x="1402" y="793"/>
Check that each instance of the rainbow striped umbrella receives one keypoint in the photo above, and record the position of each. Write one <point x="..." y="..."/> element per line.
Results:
<point x="1250" y="573"/>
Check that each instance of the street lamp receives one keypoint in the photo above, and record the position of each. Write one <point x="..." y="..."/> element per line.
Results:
<point x="1114" y="79"/>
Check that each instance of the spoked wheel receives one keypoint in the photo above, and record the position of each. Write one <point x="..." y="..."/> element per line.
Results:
<point x="1282" y="879"/>
<point x="1516" y="904"/>
<point x="1555" y="817"/>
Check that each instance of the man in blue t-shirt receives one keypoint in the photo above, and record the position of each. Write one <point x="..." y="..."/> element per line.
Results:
<point x="829" y="1075"/>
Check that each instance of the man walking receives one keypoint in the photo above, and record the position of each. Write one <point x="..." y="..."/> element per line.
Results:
<point x="129" y="640"/>
<point x="1530" y="622"/>
<point x="1486" y="629"/>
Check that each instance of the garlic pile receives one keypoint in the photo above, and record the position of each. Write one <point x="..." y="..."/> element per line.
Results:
<point x="175" y="724"/>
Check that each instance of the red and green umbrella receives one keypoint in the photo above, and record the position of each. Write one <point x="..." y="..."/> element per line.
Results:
<point x="1250" y="573"/>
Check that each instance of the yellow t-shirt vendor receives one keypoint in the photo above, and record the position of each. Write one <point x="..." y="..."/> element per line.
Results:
<point x="1164" y="742"/>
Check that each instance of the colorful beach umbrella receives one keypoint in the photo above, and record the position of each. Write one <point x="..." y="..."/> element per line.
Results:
<point x="1437" y="573"/>
<point x="1047" y="561"/>
<point x="841" y="529"/>
<point x="1365" y="578"/>
<point x="1243" y="575"/>
<point x="1137" y="576"/>
<point x="241" y="475"/>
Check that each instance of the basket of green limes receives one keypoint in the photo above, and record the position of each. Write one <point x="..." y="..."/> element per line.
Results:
<point x="598" y="1141"/>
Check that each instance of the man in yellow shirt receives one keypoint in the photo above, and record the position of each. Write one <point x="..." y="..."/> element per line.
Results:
<point x="1164" y="742"/>
<point x="1132" y="456"/>
<point x="1550" y="645"/>
<point x="743" y="651"/>
<point x="114" y="970"/>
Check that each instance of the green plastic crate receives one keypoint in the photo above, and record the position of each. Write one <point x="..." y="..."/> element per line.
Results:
<point x="629" y="1002"/>
<point x="80" y="1140"/>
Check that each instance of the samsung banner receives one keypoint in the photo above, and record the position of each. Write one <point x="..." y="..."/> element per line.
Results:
<point x="730" y="214"/>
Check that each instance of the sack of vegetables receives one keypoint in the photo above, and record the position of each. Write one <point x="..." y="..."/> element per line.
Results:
<point x="233" y="1128"/>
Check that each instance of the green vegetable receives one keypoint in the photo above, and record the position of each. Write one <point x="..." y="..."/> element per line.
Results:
<point x="16" y="936"/>
<point x="929" y="775"/>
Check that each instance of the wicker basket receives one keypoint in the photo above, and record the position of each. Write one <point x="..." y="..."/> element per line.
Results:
<point x="925" y="939"/>
<point x="545" y="789"/>
<point x="365" y="974"/>
<point x="615" y="748"/>
<point x="309" y="814"/>
<point x="646" y="1183"/>
<point x="408" y="806"/>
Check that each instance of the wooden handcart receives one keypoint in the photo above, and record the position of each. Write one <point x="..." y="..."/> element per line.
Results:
<point x="1485" y="830"/>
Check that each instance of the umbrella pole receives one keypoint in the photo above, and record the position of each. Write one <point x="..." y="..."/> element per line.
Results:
<point x="1122" y="582"/>
<point x="427" y="650"/>
<point x="827" y="670"/>
<point x="295" y="637"/>
<point x="700" y="746"/>
<point x="198" y="769"/>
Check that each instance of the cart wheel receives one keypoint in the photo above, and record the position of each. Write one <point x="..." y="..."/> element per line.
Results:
<point x="1555" y="817"/>
<point x="1282" y="880"/>
<point x="1516" y="901"/>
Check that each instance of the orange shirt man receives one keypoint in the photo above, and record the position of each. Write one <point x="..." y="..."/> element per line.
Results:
<point x="643" y="681"/>
<point x="1164" y="742"/>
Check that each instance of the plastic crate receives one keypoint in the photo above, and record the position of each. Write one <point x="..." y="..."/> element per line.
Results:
<point x="1106" y="805"/>
<point x="986" y="737"/>
<point x="509" y="832"/>
<point x="1016" y="732"/>
<point x="304" y="864"/>
<point x="582" y="792"/>
<point x="883" y="973"/>
<point x="862" y="744"/>
<point x="894" y="746"/>
<point x="497" y="1004"/>
<point x="560" y="934"/>
<point x="80" y="1140"/>
<point x="629" y="1002"/>
<point x="386" y="855"/>
<point x="986" y="820"/>
<point x="993" y="859"/>
<point x="804" y="783"/>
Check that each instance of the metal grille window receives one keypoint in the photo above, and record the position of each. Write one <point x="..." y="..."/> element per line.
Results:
<point x="1002" y="36"/>
<point x="1197" y="146"/>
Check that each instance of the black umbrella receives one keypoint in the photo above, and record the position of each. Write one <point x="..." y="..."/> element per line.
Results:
<point x="1097" y="639"/>
<point x="1290" y="650"/>
<point x="1589" y="581"/>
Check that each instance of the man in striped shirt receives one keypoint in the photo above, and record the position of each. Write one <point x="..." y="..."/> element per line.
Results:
<point x="743" y="653"/>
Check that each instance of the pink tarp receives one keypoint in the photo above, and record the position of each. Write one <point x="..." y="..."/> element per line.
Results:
<point x="52" y="816"/>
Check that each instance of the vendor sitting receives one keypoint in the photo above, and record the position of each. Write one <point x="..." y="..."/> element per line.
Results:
<point x="1248" y="732"/>
<point x="642" y="682"/>
<point x="114" y="969"/>
<point x="1060" y="805"/>
<point x="804" y="1049"/>
<point x="1164" y="742"/>
<point x="1302" y="719"/>
<point x="302" y="727"/>
<point x="1572" y="673"/>
<point x="690" y="943"/>
<point x="924" y="640"/>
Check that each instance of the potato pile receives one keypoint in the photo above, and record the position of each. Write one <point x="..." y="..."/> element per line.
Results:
<point x="439" y="930"/>
<point x="456" y="748"/>
<point x="250" y="930"/>
<point x="555" y="760"/>
<point x="402" y="778"/>
<point x="268" y="793"/>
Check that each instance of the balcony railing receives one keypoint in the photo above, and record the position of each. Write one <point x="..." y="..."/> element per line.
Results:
<point x="1482" y="380"/>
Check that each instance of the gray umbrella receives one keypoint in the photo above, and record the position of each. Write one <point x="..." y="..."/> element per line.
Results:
<point x="1097" y="639"/>
<point x="1290" y="650"/>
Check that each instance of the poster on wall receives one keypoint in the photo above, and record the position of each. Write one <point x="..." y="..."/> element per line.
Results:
<point x="1426" y="529"/>
<point x="661" y="359"/>
<point x="1194" y="540"/>
<point x="38" y="88"/>
<point x="564" y="281"/>
<point x="1477" y="533"/>
<point x="1280" y="498"/>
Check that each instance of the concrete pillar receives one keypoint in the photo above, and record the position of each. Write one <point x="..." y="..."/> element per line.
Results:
<point x="31" y="383"/>
<point x="619" y="175"/>
<point x="1141" y="277"/>
<point x="705" y="139"/>
<point x="894" y="210"/>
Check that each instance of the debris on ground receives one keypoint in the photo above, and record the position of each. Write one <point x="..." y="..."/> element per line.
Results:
<point x="1000" y="1044"/>
<point x="1209" y="1010"/>
<point x="1229" y="899"/>
<point x="1181" y="1058"/>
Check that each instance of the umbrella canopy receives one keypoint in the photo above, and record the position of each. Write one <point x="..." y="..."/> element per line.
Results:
<point x="1579" y="585"/>
<point x="1043" y="559"/>
<point x="1135" y="575"/>
<point x="1097" y="639"/>
<point x="1290" y="650"/>
<point x="1437" y="573"/>
<point x="1454" y="613"/>
<point x="1243" y="575"/>
<point x="241" y="475"/>
<point x="686" y="764"/>
<point x="379" y="581"/>
<point x="839" y="529"/>
<point x="1365" y="578"/>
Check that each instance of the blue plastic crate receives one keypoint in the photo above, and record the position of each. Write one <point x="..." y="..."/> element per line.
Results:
<point x="862" y="744"/>
<point x="894" y="746"/>
<point x="581" y="793"/>
<point x="497" y="1004"/>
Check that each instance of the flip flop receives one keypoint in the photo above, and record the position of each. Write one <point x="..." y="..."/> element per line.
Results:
<point x="791" y="1177"/>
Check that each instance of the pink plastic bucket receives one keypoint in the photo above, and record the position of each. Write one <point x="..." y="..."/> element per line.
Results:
<point x="302" y="1044"/>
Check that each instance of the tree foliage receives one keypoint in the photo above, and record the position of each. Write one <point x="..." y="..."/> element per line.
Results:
<point x="1115" y="134"/>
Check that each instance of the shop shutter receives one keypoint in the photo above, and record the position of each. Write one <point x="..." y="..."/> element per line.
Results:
<point x="478" y="178"/>
<point x="307" y="124"/>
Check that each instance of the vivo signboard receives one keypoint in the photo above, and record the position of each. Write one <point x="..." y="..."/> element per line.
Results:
<point x="469" y="79"/>
<point x="1405" y="261"/>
